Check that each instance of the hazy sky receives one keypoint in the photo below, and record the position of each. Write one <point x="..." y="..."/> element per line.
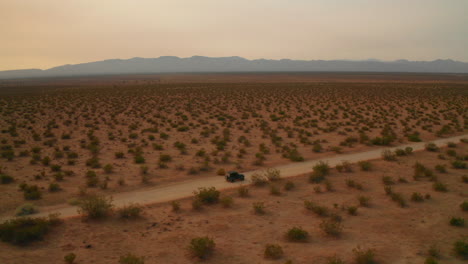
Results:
<point x="47" y="33"/>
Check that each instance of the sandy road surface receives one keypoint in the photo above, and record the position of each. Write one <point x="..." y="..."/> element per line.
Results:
<point x="184" y="189"/>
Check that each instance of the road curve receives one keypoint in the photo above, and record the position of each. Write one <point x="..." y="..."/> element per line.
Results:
<point x="184" y="189"/>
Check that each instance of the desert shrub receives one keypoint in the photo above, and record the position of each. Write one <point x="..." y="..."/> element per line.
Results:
<point x="321" y="169"/>
<point x="398" y="198"/>
<point x="460" y="248"/>
<point x="352" y="210"/>
<point x="451" y="152"/>
<point x="108" y="168"/>
<point x="402" y="180"/>
<point x="353" y="184"/>
<point x="365" y="165"/>
<point x="273" y="251"/>
<point x="289" y="185"/>
<point x="258" y="180"/>
<point x="92" y="179"/>
<point x="441" y="168"/>
<point x="317" y="209"/>
<point x="464" y="206"/>
<point x="69" y="258"/>
<point x="165" y="158"/>
<point x="440" y="187"/>
<point x="131" y="259"/>
<point x="400" y="152"/>
<point x="95" y="206"/>
<point x="202" y="247"/>
<point x="387" y="180"/>
<point x="421" y="171"/>
<point x="56" y="167"/>
<point x="362" y="256"/>
<point x="22" y="231"/>
<point x="227" y="201"/>
<point x="273" y="174"/>
<point x="31" y="192"/>
<point x="457" y="221"/>
<point x="139" y="159"/>
<point x="54" y="187"/>
<point x="6" y="179"/>
<point x="207" y="195"/>
<point x="119" y="155"/>
<point x="129" y="211"/>
<point x="414" y="137"/>
<point x="274" y="190"/>
<point x="345" y="166"/>
<point x="417" y="197"/>
<point x="431" y="147"/>
<point x="259" y="208"/>
<point x="364" y="201"/>
<point x="197" y="204"/>
<point x="331" y="227"/>
<point x="408" y="150"/>
<point x="243" y="191"/>
<point x="297" y="234"/>
<point x="26" y="209"/>
<point x="458" y="164"/>
<point x="388" y="155"/>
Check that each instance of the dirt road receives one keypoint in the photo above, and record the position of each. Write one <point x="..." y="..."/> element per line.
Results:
<point x="184" y="189"/>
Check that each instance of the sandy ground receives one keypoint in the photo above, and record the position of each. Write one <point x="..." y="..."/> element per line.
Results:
<point x="398" y="235"/>
<point x="267" y="115"/>
<point x="184" y="189"/>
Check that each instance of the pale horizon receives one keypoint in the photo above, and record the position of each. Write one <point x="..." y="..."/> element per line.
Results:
<point x="50" y="33"/>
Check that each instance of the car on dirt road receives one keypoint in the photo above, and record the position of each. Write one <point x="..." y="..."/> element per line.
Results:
<point x="233" y="176"/>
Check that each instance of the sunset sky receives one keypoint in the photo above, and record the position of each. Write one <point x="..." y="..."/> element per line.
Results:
<point x="48" y="33"/>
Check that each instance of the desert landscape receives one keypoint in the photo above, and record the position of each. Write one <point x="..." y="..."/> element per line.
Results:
<point x="80" y="141"/>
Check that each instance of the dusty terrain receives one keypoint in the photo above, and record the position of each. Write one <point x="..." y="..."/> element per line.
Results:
<point x="56" y="131"/>
<point x="124" y="135"/>
<point x="397" y="234"/>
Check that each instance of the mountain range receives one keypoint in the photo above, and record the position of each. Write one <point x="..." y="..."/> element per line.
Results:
<point x="199" y="64"/>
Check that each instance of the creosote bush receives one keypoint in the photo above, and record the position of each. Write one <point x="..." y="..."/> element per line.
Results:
<point x="273" y="251"/>
<point x="365" y="165"/>
<point x="362" y="256"/>
<point x="22" y="231"/>
<point x="460" y="248"/>
<point x="297" y="234"/>
<point x="6" y="179"/>
<point x="70" y="258"/>
<point x="331" y="227"/>
<point x="94" y="206"/>
<point x="457" y="221"/>
<point x="207" y="195"/>
<point x="202" y="247"/>
<point x="130" y="211"/>
<point x="259" y="208"/>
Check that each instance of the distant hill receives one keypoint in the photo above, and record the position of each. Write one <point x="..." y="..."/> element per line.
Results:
<point x="170" y="64"/>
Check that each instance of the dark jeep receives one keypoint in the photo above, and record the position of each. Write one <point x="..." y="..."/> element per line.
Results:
<point x="233" y="176"/>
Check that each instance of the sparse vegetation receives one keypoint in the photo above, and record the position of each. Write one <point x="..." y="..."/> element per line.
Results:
<point x="202" y="247"/>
